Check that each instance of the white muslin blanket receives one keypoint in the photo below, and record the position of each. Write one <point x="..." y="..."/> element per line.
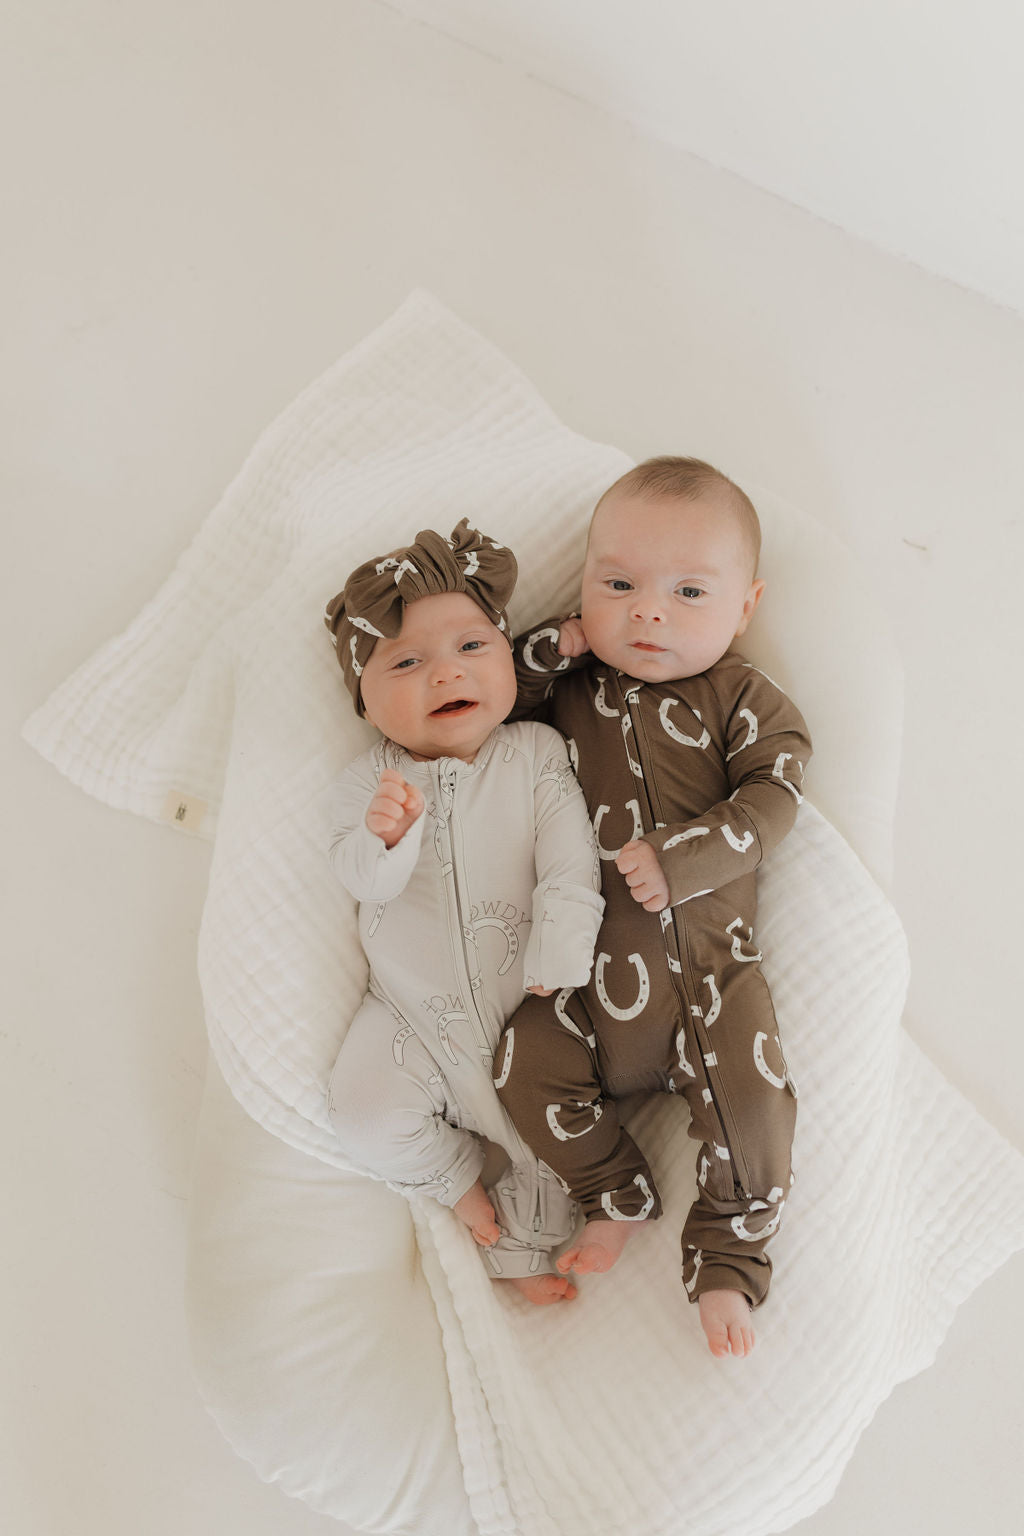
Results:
<point x="223" y="705"/>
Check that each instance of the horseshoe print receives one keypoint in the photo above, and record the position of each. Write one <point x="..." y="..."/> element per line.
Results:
<point x="698" y="1259"/>
<point x="443" y="1025"/>
<point x="751" y="719"/>
<point x="633" y="807"/>
<point x="643" y="990"/>
<point x="612" y="1210"/>
<point x="552" y="1112"/>
<point x="684" y="837"/>
<point x="739" y="1223"/>
<point x="506" y="1065"/>
<point x="511" y="939"/>
<point x="779" y="772"/>
<point x="599" y="703"/>
<point x="760" y="1063"/>
<point x="398" y="1044"/>
<point x="563" y="1017"/>
<point x="737" y="942"/>
<point x="535" y="639"/>
<point x="676" y="734"/>
<point x="681" y="1054"/>
<point x="716" y="1001"/>
<point x="627" y="726"/>
<point x="741" y="844"/>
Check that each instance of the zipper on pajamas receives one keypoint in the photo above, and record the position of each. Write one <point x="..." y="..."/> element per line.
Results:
<point x="719" y="1096"/>
<point x="454" y="899"/>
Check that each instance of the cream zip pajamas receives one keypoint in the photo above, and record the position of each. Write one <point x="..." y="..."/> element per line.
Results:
<point x="493" y="888"/>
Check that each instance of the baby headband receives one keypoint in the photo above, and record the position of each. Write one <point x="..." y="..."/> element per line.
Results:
<point x="373" y="603"/>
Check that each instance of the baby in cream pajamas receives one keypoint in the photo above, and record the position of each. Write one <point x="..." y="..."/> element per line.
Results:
<point x="692" y="763"/>
<point x="467" y="844"/>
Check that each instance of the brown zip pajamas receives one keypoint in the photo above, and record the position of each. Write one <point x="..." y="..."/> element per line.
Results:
<point x="708" y="770"/>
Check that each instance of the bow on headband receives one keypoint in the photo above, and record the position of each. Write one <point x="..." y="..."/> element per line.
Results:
<point x="373" y="603"/>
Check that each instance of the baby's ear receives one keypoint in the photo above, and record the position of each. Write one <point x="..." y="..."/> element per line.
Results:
<point x="750" y="603"/>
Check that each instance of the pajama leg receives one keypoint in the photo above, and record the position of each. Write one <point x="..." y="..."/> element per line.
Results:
<point x="547" y="1078"/>
<point x="389" y="1109"/>
<point x="395" y="1113"/>
<point x="743" y="1167"/>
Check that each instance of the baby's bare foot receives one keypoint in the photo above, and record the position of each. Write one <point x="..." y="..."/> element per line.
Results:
<point x="725" y="1317"/>
<point x="542" y="1290"/>
<point x="597" y="1248"/>
<point x="476" y="1212"/>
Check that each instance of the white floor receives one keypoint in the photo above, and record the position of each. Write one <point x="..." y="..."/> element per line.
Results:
<point x="206" y="206"/>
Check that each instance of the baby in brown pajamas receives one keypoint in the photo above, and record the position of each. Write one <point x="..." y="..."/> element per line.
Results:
<point x="691" y="761"/>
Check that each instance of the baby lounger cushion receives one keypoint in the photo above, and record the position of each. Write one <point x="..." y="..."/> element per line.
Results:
<point x="348" y="1341"/>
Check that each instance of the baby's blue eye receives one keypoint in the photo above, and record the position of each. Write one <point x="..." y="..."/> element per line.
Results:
<point x="408" y="661"/>
<point x="617" y="584"/>
<point x="472" y="645"/>
<point x="690" y="591"/>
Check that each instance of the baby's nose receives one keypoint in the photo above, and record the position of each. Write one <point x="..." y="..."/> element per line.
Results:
<point x="446" y="668"/>
<point x="648" y="607"/>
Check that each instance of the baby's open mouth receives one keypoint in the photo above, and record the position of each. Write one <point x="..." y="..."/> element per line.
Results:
<point x="456" y="707"/>
<point x="645" y="645"/>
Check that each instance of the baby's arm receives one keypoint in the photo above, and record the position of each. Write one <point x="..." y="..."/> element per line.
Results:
<point x="567" y="905"/>
<point x="542" y="654"/>
<point x="376" y="831"/>
<point x="394" y="808"/>
<point x="767" y="749"/>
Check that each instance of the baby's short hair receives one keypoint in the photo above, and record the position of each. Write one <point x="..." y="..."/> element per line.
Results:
<point x="690" y="480"/>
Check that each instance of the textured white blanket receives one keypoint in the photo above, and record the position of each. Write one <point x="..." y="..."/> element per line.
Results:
<point x="223" y="705"/>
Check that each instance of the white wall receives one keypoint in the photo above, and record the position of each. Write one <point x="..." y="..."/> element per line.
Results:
<point x="898" y="120"/>
<point x="205" y="206"/>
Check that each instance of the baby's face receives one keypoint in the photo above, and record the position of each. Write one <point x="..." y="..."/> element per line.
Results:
<point x="667" y="586"/>
<point x="446" y="680"/>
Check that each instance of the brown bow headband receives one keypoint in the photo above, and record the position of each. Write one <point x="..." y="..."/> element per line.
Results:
<point x="373" y="603"/>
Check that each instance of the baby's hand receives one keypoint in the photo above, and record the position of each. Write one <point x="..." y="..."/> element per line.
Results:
<point x="571" y="639"/>
<point x="394" y="808"/>
<point x="645" y="877"/>
<point x="542" y="991"/>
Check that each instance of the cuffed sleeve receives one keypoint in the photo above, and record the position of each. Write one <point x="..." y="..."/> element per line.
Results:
<point x="367" y="869"/>
<point x="537" y="665"/>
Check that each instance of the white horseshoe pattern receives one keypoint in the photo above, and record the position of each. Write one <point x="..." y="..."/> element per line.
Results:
<point x="599" y="815"/>
<point x="739" y="1223"/>
<point x="677" y="735"/>
<point x="681" y="1054"/>
<point x="684" y="837"/>
<point x="643" y="989"/>
<point x="535" y="639"/>
<point x="599" y="703"/>
<point x="737" y="942"/>
<point x="716" y="1001"/>
<point x="627" y="726"/>
<point x="563" y="1017"/>
<point x="760" y="1063"/>
<point x="506" y="1063"/>
<point x="779" y="772"/>
<point x="751" y="719"/>
<point x="511" y="939"/>
<point x="560" y="1134"/>
<point x="612" y="1210"/>
<point x="698" y="1260"/>
<point x="375" y="920"/>
<point x="741" y="844"/>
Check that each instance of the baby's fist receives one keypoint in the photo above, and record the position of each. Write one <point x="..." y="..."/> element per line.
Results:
<point x="394" y="807"/>
<point x="638" y="864"/>
<point x="571" y="639"/>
